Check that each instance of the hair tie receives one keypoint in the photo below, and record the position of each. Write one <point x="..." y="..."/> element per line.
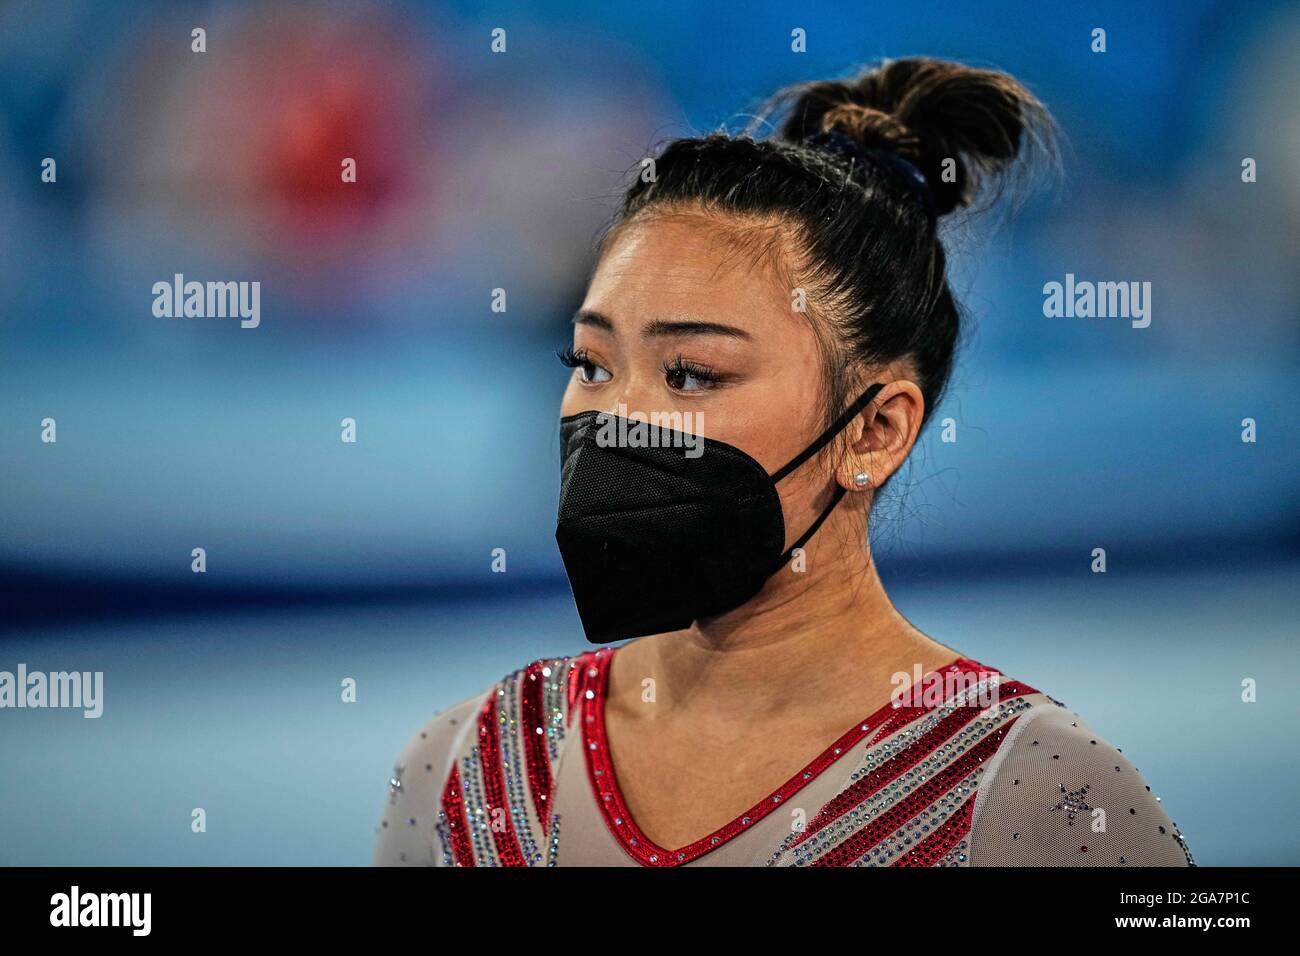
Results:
<point x="832" y="140"/>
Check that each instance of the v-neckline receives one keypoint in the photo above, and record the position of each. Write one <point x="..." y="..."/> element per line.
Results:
<point x="591" y="690"/>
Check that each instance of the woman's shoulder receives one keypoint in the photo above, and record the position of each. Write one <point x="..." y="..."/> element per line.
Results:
<point x="408" y="827"/>
<point x="1057" y="794"/>
<point x="524" y="713"/>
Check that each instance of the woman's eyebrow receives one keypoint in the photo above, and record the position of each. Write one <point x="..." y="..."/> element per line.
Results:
<point x="663" y="327"/>
<point x="590" y="317"/>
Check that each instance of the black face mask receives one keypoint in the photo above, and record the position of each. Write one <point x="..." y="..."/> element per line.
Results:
<point x="665" y="529"/>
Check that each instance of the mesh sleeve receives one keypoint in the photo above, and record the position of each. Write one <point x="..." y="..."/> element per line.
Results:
<point x="407" y="830"/>
<point x="1061" y="796"/>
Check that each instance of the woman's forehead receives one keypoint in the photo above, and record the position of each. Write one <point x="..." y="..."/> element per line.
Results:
<point x="692" y="265"/>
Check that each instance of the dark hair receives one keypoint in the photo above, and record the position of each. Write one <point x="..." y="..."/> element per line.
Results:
<point x="867" y="242"/>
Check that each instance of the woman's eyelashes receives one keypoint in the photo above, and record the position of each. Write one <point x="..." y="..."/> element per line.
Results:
<point x="590" y="372"/>
<point x="685" y="376"/>
<point x="680" y="374"/>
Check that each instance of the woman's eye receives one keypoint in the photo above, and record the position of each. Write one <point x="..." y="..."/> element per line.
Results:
<point x="593" y="374"/>
<point x="588" y="371"/>
<point x="683" y="381"/>
<point x="682" y="376"/>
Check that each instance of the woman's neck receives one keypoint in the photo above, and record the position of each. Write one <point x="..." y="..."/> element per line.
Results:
<point x="814" y="649"/>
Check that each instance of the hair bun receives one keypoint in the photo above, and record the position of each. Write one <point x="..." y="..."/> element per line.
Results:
<point x="871" y="127"/>
<point x="957" y="124"/>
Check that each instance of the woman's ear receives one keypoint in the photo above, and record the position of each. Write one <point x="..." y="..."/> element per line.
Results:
<point x="882" y="436"/>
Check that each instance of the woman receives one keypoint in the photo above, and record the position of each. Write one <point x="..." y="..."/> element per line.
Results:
<point x="767" y="330"/>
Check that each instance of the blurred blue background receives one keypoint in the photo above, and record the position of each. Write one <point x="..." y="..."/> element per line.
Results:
<point x="478" y="171"/>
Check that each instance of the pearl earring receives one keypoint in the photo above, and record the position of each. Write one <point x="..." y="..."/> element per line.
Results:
<point x="862" y="479"/>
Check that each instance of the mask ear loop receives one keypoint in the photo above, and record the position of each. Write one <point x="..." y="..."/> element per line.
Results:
<point x="818" y="444"/>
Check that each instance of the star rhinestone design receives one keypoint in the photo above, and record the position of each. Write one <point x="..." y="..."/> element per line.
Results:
<point x="1073" y="802"/>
